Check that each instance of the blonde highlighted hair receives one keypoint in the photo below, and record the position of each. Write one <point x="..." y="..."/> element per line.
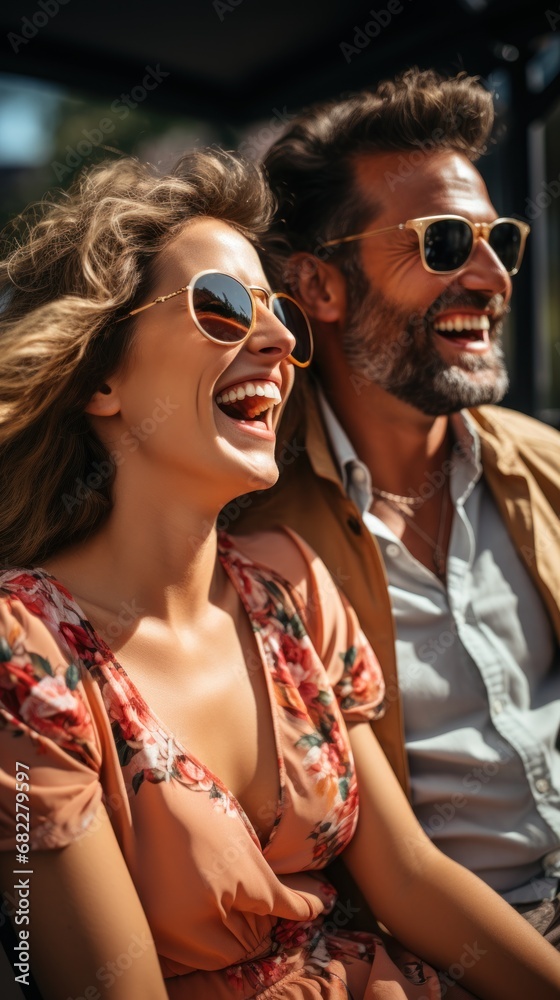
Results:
<point x="81" y="261"/>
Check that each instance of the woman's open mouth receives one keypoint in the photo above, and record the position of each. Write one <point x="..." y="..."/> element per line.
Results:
<point x="250" y="403"/>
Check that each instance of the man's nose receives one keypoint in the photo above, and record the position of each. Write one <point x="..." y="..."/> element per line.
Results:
<point x="484" y="271"/>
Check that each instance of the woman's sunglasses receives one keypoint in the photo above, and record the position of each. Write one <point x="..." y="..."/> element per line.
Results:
<point x="224" y="310"/>
<point x="447" y="241"/>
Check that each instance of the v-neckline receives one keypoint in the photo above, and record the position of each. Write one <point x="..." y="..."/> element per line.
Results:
<point x="101" y="646"/>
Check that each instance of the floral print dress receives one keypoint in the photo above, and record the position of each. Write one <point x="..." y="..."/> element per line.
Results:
<point x="229" y="917"/>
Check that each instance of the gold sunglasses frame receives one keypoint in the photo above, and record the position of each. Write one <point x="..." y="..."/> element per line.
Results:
<point x="262" y="293"/>
<point x="479" y="230"/>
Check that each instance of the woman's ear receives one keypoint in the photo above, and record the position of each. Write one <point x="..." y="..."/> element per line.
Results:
<point x="318" y="286"/>
<point x="105" y="402"/>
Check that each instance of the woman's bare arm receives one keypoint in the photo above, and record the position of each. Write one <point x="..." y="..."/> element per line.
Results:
<point x="88" y="935"/>
<point x="434" y="906"/>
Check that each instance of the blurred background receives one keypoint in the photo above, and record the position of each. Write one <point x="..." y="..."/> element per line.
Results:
<point x="81" y="80"/>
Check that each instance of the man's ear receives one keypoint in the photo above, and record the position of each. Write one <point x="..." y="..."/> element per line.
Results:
<point x="320" y="287"/>
<point x="105" y="402"/>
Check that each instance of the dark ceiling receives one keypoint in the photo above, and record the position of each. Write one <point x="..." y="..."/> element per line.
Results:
<point x="235" y="61"/>
<point x="235" y="64"/>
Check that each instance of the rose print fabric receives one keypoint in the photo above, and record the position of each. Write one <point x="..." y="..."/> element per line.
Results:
<point x="230" y="918"/>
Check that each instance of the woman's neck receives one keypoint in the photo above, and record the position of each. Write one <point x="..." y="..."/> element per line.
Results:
<point x="157" y="557"/>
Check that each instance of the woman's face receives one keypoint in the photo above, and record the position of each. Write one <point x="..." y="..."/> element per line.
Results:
<point x="163" y="416"/>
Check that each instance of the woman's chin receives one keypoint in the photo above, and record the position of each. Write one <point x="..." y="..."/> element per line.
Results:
<point x="263" y="477"/>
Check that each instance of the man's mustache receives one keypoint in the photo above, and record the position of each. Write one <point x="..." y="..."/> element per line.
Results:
<point x="495" y="306"/>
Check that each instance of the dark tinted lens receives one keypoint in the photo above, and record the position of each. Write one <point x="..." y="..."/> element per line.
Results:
<point x="223" y="307"/>
<point x="290" y="314"/>
<point x="447" y="244"/>
<point x="505" y="240"/>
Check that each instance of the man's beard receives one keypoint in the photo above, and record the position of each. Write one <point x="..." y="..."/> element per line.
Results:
<point x="394" y="350"/>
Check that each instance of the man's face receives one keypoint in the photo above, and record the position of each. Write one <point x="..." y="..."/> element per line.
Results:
<point x="432" y="340"/>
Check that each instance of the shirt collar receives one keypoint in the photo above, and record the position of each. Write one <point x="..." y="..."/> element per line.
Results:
<point x="466" y="437"/>
<point x="356" y="477"/>
<point x="342" y="446"/>
<point x="354" y="473"/>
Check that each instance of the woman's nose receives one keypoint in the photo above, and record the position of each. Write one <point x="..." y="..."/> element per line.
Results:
<point x="269" y="335"/>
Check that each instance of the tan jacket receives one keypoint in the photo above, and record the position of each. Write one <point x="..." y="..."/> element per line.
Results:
<point x="521" y="462"/>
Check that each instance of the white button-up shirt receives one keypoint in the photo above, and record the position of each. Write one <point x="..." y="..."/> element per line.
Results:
<point x="479" y="674"/>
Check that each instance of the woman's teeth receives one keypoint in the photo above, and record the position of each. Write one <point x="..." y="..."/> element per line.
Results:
<point x="268" y="389"/>
<point x="249" y="400"/>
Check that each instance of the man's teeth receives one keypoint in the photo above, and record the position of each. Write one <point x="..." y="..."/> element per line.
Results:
<point x="268" y="389"/>
<point x="460" y="323"/>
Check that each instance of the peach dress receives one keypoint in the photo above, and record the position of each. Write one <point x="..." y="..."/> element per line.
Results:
<point x="230" y="918"/>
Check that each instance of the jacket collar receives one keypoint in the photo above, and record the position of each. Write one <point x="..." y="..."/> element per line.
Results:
<point x="322" y="460"/>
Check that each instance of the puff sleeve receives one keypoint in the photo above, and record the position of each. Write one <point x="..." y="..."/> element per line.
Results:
<point x="47" y="733"/>
<point x="330" y="622"/>
<point x="351" y="665"/>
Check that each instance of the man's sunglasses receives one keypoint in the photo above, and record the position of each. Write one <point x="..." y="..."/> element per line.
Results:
<point x="447" y="241"/>
<point x="225" y="311"/>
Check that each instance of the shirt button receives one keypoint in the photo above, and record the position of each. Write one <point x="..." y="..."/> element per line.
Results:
<point x="551" y="863"/>
<point x="354" y="525"/>
<point x="392" y="550"/>
<point x="497" y="706"/>
<point x="542" y="785"/>
<point x="358" y="476"/>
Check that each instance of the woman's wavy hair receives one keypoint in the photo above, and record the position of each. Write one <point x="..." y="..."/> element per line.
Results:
<point x="81" y="261"/>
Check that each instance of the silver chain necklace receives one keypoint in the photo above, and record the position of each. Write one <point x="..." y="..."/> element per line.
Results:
<point x="438" y="553"/>
<point x="413" y="502"/>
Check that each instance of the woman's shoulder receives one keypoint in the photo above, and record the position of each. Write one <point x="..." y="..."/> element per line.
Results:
<point x="329" y="620"/>
<point x="283" y="553"/>
<point x="44" y="614"/>
<point x="285" y="556"/>
<point x="36" y="587"/>
<point x="30" y="614"/>
<point x="46" y="717"/>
